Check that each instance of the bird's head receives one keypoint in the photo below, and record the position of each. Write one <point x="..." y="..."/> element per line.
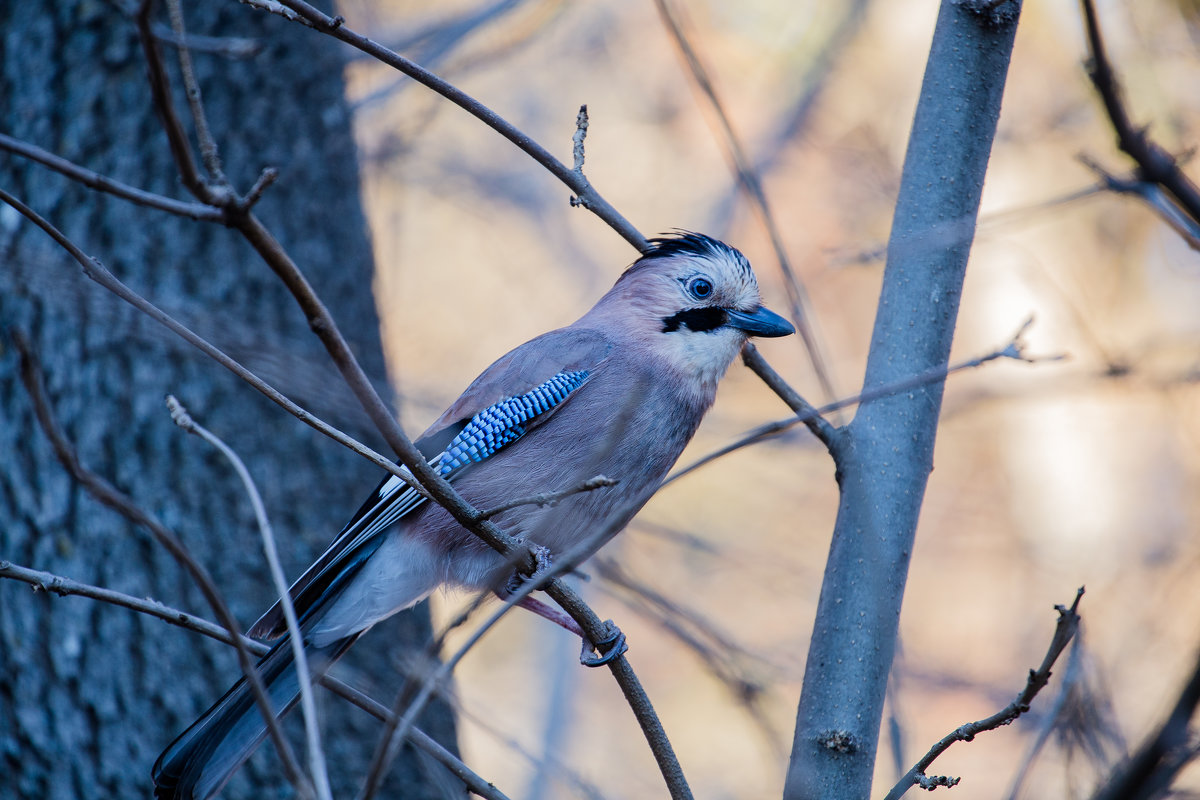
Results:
<point x="694" y="301"/>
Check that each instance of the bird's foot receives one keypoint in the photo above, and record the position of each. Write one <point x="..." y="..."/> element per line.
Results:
<point x="612" y="646"/>
<point x="541" y="565"/>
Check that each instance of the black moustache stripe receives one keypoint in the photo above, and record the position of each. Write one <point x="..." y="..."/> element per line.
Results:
<point x="696" y="319"/>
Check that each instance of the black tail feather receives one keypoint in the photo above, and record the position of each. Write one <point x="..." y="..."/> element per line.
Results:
<point x="199" y="762"/>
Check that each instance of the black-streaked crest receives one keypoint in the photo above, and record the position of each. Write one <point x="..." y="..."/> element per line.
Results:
<point x="690" y="243"/>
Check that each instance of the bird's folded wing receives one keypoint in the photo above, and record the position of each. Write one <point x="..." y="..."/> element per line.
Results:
<point x="515" y="394"/>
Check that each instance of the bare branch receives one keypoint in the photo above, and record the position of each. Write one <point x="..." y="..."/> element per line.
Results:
<point x="316" y="753"/>
<point x="61" y="586"/>
<point x="235" y="48"/>
<point x="101" y="183"/>
<point x="108" y="495"/>
<point x="267" y="177"/>
<point x="160" y="91"/>
<point x="588" y="196"/>
<point x="551" y="498"/>
<point x="238" y="215"/>
<point x="1155" y="164"/>
<point x="1064" y="631"/>
<point x="1153" y="195"/>
<point x="279" y="9"/>
<point x="1052" y="718"/>
<point x="820" y="427"/>
<point x="1014" y="349"/>
<point x="208" y="146"/>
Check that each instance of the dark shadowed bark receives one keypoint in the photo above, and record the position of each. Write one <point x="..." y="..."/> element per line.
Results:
<point x="89" y="693"/>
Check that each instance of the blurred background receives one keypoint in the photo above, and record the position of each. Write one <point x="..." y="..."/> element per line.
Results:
<point x="1048" y="476"/>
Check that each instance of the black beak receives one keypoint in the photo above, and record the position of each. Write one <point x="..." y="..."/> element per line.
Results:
<point x="759" y="322"/>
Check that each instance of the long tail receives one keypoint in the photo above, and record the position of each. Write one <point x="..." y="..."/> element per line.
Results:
<point x="198" y="763"/>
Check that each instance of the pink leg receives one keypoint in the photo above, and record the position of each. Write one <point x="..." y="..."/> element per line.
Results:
<point x="553" y="614"/>
<point x="612" y="647"/>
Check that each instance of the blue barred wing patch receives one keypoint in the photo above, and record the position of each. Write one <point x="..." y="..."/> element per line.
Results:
<point x="484" y="435"/>
<point x="504" y="422"/>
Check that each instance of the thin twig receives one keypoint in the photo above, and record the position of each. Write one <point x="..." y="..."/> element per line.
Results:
<point x="316" y="754"/>
<point x="160" y="92"/>
<point x="1015" y="349"/>
<point x="108" y="495"/>
<point x="589" y="197"/>
<point x="1155" y="164"/>
<point x="820" y="427"/>
<point x="797" y="295"/>
<point x="1064" y="631"/>
<point x="551" y="498"/>
<point x="265" y="178"/>
<point x="1153" y="195"/>
<point x="102" y="183"/>
<point x="61" y="586"/>
<point x="208" y="146"/>
<point x="581" y="128"/>
<point x="279" y="9"/>
<point x="1052" y="717"/>
<point x="238" y="215"/>
<point x="235" y="48"/>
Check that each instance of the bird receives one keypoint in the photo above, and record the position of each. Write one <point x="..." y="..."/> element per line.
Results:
<point x="618" y="393"/>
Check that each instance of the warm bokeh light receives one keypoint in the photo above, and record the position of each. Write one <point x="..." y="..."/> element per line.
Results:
<point x="1048" y="476"/>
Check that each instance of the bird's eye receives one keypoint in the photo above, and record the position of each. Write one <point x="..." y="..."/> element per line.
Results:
<point x="700" y="288"/>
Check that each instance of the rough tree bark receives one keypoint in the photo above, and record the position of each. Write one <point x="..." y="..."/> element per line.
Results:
<point x="89" y="693"/>
<point x="886" y="453"/>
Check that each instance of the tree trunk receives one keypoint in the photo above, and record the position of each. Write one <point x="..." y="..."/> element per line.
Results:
<point x="886" y="454"/>
<point x="90" y="693"/>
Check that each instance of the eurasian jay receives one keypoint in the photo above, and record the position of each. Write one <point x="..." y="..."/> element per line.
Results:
<point x="618" y="393"/>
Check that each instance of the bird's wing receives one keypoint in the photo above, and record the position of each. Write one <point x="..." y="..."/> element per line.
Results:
<point x="514" y="395"/>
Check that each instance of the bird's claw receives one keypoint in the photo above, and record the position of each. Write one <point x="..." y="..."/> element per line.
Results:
<point x="612" y="646"/>
<point x="541" y="565"/>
